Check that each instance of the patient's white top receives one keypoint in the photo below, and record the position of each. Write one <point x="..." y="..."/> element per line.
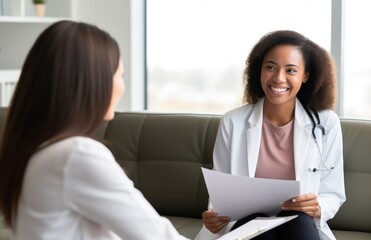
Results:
<point x="74" y="189"/>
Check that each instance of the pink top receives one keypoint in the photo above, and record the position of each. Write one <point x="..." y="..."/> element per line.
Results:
<point x="276" y="155"/>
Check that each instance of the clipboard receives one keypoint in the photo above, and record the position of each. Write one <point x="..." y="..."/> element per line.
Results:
<point x="256" y="227"/>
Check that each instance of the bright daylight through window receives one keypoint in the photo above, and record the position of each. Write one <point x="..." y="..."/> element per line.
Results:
<point x="357" y="67"/>
<point x="196" y="50"/>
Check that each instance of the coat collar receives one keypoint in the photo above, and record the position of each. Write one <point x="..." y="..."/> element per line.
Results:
<point x="256" y="116"/>
<point x="302" y="136"/>
<point x="301" y="116"/>
<point x="303" y="140"/>
<point x="254" y="136"/>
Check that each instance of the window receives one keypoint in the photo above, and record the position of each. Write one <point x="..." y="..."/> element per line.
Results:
<point x="357" y="67"/>
<point x="196" y="50"/>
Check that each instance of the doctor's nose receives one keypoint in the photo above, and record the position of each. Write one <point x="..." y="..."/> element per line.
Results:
<point x="279" y="76"/>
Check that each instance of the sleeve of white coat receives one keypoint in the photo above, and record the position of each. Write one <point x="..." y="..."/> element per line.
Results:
<point x="221" y="163"/>
<point x="97" y="188"/>
<point x="222" y="148"/>
<point x="332" y="191"/>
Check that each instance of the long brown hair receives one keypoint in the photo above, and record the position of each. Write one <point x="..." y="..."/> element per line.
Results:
<point x="64" y="90"/>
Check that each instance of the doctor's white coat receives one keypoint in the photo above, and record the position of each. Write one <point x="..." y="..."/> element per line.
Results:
<point x="237" y="148"/>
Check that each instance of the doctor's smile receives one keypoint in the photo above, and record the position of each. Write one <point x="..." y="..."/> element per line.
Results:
<point x="278" y="90"/>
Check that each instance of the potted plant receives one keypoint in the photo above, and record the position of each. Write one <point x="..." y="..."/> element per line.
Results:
<point x="40" y="6"/>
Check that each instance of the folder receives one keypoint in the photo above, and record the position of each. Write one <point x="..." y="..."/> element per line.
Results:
<point x="255" y="227"/>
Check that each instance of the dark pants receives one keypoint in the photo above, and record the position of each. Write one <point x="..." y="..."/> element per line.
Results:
<point x="302" y="227"/>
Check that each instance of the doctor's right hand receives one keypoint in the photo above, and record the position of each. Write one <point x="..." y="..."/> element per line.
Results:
<point x="213" y="222"/>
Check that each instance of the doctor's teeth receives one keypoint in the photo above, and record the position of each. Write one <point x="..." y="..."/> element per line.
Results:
<point x="279" y="89"/>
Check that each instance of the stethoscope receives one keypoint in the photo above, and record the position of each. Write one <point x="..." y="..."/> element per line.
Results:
<point x="322" y="165"/>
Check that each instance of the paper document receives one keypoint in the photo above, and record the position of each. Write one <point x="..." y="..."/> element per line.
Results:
<point x="255" y="227"/>
<point x="239" y="196"/>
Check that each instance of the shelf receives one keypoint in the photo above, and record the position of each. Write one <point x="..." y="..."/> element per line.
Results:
<point x="8" y="82"/>
<point x="26" y="8"/>
<point x="15" y="19"/>
<point x="19" y="29"/>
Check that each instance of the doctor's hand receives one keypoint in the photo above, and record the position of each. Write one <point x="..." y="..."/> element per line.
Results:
<point x="213" y="222"/>
<point x="307" y="203"/>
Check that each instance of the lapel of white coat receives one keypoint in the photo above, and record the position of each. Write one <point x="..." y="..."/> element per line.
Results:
<point x="302" y="139"/>
<point x="253" y="134"/>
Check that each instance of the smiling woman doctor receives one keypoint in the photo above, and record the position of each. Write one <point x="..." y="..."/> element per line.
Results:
<point x="286" y="131"/>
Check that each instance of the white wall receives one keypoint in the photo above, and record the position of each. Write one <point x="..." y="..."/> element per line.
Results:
<point x="123" y="19"/>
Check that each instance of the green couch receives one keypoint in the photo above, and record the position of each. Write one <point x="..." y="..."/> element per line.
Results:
<point x="163" y="155"/>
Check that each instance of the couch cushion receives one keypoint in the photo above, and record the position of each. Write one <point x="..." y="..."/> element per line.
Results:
<point x="4" y="231"/>
<point x="350" y="235"/>
<point x="355" y="213"/>
<point x="163" y="155"/>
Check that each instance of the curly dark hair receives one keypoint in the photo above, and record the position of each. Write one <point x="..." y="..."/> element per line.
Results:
<point x="317" y="93"/>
